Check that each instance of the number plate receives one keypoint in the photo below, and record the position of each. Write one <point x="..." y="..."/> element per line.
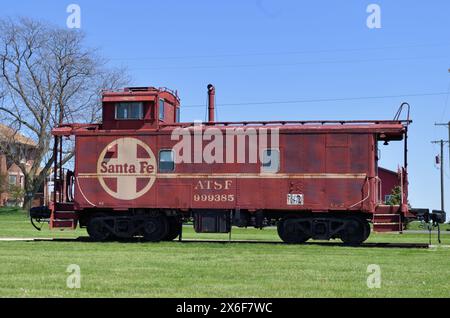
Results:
<point x="295" y="199"/>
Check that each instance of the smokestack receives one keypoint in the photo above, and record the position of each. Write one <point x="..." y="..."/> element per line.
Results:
<point x="211" y="96"/>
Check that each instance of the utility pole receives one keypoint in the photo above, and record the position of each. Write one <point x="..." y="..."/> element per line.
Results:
<point x="441" y="142"/>
<point x="448" y="127"/>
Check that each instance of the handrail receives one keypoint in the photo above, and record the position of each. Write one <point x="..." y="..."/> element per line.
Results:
<point x="82" y="193"/>
<point x="400" y="110"/>
<point x="292" y="122"/>
<point x="401" y="186"/>
<point x="379" y="189"/>
<point x="143" y="89"/>
<point x="368" y="194"/>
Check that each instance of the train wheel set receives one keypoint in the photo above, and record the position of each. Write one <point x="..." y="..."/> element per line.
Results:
<point x="351" y="230"/>
<point x="157" y="226"/>
<point x="151" y="228"/>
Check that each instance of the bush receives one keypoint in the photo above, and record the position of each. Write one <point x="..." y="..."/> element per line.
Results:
<point x="16" y="194"/>
<point x="396" y="196"/>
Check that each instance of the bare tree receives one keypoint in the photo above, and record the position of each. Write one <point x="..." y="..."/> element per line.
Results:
<point x="47" y="77"/>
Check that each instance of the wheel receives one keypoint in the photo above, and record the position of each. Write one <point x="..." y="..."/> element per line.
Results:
<point x="355" y="231"/>
<point x="291" y="231"/>
<point x="155" y="228"/>
<point x="97" y="229"/>
<point x="174" y="229"/>
<point x="367" y="229"/>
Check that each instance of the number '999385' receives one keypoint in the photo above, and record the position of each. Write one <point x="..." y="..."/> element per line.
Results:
<point x="213" y="197"/>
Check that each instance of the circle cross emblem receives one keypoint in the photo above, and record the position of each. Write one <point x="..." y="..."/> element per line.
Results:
<point x="126" y="168"/>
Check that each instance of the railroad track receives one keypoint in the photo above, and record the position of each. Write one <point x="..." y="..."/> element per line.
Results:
<point x="187" y="241"/>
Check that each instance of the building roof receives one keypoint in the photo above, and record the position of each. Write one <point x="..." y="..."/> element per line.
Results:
<point x="8" y="133"/>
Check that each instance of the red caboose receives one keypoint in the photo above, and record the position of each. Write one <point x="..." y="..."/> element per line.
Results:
<point x="143" y="173"/>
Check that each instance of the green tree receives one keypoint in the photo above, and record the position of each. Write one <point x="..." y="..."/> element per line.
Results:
<point x="16" y="193"/>
<point x="396" y="196"/>
<point x="47" y="76"/>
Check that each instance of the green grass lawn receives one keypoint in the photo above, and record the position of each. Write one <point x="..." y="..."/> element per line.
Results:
<point x="206" y="269"/>
<point x="414" y="226"/>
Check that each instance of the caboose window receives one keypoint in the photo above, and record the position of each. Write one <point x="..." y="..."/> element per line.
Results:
<point x="166" y="161"/>
<point x="270" y="161"/>
<point x="131" y="110"/>
<point x="161" y="109"/>
<point x="177" y="115"/>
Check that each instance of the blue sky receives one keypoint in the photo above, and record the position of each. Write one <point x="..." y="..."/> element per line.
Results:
<point x="272" y="50"/>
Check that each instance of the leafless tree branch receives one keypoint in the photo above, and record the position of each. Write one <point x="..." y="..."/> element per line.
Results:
<point x="47" y="76"/>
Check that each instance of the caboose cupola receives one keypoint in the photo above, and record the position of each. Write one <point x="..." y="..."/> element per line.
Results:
<point x="139" y="108"/>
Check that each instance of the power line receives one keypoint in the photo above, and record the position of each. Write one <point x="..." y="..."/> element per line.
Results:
<point x="172" y="67"/>
<point x="183" y="57"/>
<point x="299" y="101"/>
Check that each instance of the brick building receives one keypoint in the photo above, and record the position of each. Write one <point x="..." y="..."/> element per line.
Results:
<point x="11" y="176"/>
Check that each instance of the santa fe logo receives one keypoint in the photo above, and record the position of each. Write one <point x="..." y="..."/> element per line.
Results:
<point x="126" y="168"/>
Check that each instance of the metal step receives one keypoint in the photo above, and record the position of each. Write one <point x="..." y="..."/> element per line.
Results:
<point x="64" y="215"/>
<point x="387" y="209"/>
<point x="388" y="227"/>
<point x="386" y="218"/>
<point x="64" y="206"/>
<point x="62" y="224"/>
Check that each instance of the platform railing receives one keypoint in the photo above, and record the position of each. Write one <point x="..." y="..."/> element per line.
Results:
<point x="292" y="122"/>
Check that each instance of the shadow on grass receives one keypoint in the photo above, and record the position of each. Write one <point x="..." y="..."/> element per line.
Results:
<point x="85" y="239"/>
<point x="12" y="211"/>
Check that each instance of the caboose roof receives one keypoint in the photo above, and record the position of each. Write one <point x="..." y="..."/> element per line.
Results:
<point x="392" y="130"/>
<point x="136" y="94"/>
